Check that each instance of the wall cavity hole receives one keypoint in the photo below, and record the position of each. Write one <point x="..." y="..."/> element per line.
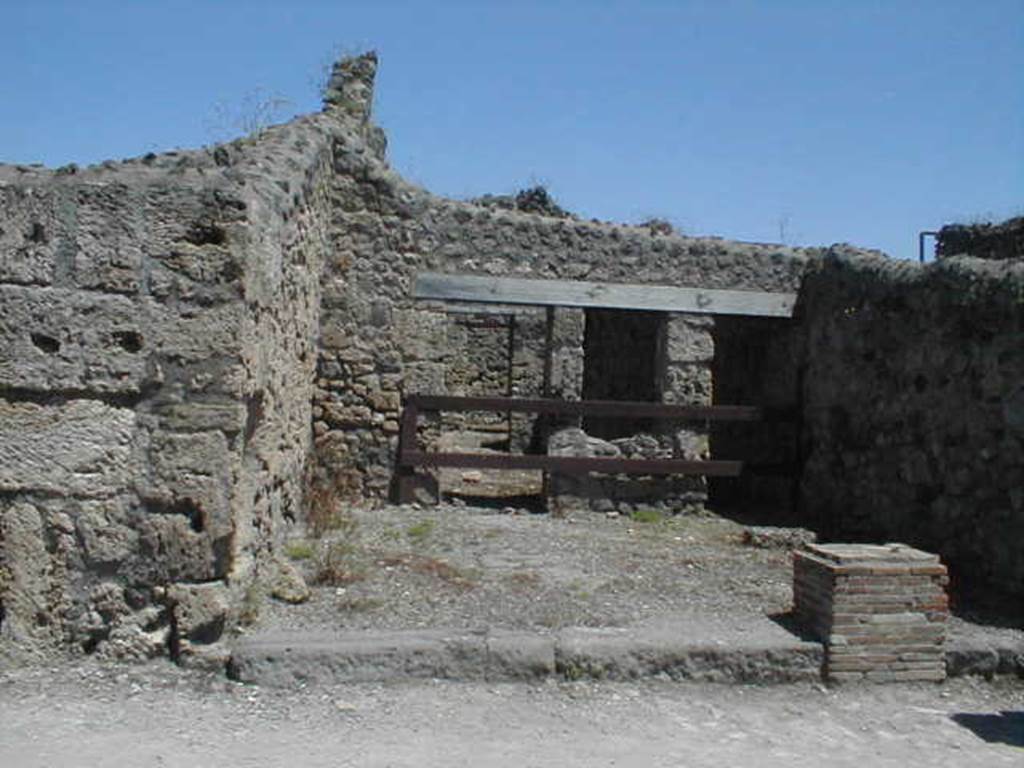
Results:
<point x="129" y="341"/>
<point x="187" y="508"/>
<point x="206" y="233"/>
<point x="36" y="234"/>
<point x="920" y="383"/>
<point x="45" y="343"/>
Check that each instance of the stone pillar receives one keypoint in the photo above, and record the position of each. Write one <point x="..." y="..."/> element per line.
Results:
<point x="563" y="380"/>
<point x="880" y="610"/>
<point x="563" y="374"/>
<point x="688" y="350"/>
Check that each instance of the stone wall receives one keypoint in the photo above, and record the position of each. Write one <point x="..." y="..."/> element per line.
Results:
<point x="914" y="408"/>
<point x="158" y="320"/>
<point x="496" y="353"/>
<point x="378" y="344"/>
<point x="983" y="241"/>
<point x="178" y="331"/>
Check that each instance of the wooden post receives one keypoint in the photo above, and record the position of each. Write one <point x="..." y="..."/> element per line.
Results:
<point x="406" y="473"/>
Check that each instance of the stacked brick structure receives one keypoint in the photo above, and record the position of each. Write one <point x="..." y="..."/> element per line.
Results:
<point x="879" y="609"/>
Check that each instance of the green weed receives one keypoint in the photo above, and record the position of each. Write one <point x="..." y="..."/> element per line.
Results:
<point x="646" y="516"/>
<point x="299" y="550"/>
<point x="421" y="531"/>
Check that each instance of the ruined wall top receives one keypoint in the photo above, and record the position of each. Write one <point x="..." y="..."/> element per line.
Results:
<point x="983" y="241"/>
<point x="350" y="86"/>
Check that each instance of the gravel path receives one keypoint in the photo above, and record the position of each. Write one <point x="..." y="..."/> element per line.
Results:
<point x="159" y="715"/>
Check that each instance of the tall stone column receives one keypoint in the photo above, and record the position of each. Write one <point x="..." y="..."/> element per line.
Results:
<point x="563" y="379"/>
<point x="688" y="350"/>
<point x="563" y="373"/>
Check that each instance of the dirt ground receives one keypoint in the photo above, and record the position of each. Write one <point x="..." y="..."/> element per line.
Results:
<point x="460" y="566"/>
<point x="502" y="567"/>
<point x="405" y="567"/>
<point x="159" y="715"/>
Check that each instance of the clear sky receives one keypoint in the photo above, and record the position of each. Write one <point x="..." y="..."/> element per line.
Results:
<point x="805" y="122"/>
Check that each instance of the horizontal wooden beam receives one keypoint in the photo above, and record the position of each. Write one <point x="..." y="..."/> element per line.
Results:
<point x="625" y="409"/>
<point x="571" y="464"/>
<point x="576" y="293"/>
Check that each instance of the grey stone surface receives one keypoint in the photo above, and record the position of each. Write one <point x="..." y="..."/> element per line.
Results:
<point x="31" y="591"/>
<point x="28" y="240"/>
<point x="79" y="448"/>
<point x="280" y="659"/>
<point x="774" y="537"/>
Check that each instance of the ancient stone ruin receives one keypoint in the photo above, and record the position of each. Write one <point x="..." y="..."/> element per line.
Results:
<point x="190" y="342"/>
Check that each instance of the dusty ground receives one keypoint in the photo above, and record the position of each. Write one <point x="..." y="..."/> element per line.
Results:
<point x="403" y="567"/>
<point x="451" y="566"/>
<point x="158" y="715"/>
<point x="457" y="566"/>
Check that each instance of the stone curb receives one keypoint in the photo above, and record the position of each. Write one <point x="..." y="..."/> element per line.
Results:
<point x="981" y="658"/>
<point x="289" y="659"/>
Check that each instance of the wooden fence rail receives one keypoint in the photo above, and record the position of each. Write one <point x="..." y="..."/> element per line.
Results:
<point x="410" y="456"/>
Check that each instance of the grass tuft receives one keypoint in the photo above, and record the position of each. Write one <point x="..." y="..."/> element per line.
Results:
<point x="646" y="516"/>
<point x="421" y="531"/>
<point x="299" y="550"/>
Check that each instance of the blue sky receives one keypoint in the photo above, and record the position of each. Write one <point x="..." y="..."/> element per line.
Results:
<point x="804" y="122"/>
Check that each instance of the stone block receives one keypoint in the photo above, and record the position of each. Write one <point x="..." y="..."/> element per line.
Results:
<point x="688" y="339"/>
<point x="29" y="235"/>
<point x="107" y="239"/>
<point x="286" y="582"/>
<point x="200" y="611"/>
<point x="190" y="475"/>
<point x="204" y="275"/>
<point x="28" y="578"/>
<point x="171" y="550"/>
<point x="81" y="447"/>
<point x="687" y="384"/>
<point x="567" y="373"/>
<point x="103" y="528"/>
<point x="55" y="339"/>
<point x="341" y="415"/>
<point x="229" y="417"/>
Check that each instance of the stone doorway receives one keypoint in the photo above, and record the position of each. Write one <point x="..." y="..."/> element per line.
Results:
<point x="621" y="361"/>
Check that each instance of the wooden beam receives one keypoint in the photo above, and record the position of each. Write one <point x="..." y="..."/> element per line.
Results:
<point x="571" y="464"/>
<point x="633" y="410"/>
<point x="576" y="293"/>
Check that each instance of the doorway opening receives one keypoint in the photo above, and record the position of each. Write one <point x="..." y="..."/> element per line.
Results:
<point x="620" y="362"/>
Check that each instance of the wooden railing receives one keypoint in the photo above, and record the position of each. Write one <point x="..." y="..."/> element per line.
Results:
<point x="410" y="456"/>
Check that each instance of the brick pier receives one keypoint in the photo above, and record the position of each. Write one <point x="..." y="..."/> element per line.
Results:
<point x="880" y="609"/>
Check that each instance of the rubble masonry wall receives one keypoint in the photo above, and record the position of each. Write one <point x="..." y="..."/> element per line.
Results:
<point x="914" y="408"/>
<point x="377" y="344"/>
